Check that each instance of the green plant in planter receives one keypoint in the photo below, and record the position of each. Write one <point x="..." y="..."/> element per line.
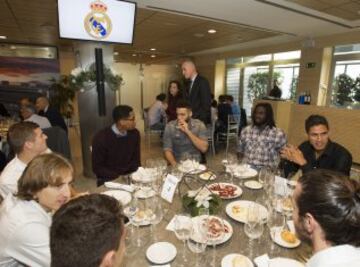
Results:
<point x="194" y="201"/>
<point x="343" y="84"/>
<point x="356" y="90"/>
<point x="80" y="79"/>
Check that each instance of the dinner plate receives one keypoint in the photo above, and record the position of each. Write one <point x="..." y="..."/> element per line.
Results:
<point x="243" y="172"/>
<point x="144" y="193"/>
<point x="237" y="190"/>
<point x="195" y="235"/>
<point x="161" y="252"/>
<point x="195" y="170"/>
<point x="252" y="184"/>
<point x="207" y="176"/>
<point x="281" y="242"/>
<point x="237" y="210"/>
<point x="244" y="261"/>
<point x="122" y="196"/>
<point x="285" y="262"/>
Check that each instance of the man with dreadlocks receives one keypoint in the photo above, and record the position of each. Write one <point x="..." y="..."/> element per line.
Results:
<point x="261" y="142"/>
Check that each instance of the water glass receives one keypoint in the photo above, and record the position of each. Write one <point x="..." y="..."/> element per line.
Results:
<point x="183" y="227"/>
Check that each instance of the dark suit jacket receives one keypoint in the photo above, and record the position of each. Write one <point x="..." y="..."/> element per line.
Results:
<point x="54" y="117"/>
<point x="200" y="99"/>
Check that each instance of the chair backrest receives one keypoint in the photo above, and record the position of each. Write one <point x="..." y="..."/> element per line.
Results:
<point x="58" y="140"/>
<point x="233" y="123"/>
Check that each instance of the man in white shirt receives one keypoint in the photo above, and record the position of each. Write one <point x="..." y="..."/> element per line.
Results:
<point x="327" y="215"/>
<point x="27" y="140"/>
<point x="157" y="114"/>
<point x="28" y="113"/>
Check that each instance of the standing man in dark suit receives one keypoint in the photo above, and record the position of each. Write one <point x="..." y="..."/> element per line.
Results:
<point x="43" y="108"/>
<point x="198" y="92"/>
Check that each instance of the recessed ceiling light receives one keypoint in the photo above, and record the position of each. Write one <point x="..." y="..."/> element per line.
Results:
<point x="199" y="35"/>
<point x="153" y="56"/>
<point x="3" y="37"/>
<point x="212" y="31"/>
<point x="152" y="49"/>
<point x="116" y="53"/>
<point x="134" y="55"/>
<point x="12" y="47"/>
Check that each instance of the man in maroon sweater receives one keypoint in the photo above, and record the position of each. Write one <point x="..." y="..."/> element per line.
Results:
<point x="116" y="149"/>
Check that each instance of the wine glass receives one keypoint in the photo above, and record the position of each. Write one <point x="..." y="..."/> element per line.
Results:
<point x="156" y="214"/>
<point x="231" y="164"/>
<point x="201" y="231"/>
<point x="214" y="223"/>
<point x="275" y="223"/>
<point x="183" y="227"/>
<point x="254" y="226"/>
<point x="262" y="175"/>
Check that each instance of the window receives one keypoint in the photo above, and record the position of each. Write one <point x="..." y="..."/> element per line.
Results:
<point x="250" y="78"/>
<point x="345" y="90"/>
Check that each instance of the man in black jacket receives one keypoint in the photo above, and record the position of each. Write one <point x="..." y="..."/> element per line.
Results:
<point x="197" y="93"/>
<point x="43" y="108"/>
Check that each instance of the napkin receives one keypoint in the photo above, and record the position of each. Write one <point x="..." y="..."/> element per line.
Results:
<point x="144" y="174"/>
<point x="291" y="226"/>
<point x="114" y="185"/>
<point x="171" y="225"/>
<point x="262" y="261"/>
<point x="166" y="265"/>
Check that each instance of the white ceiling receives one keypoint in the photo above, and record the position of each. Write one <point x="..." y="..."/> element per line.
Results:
<point x="295" y="21"/>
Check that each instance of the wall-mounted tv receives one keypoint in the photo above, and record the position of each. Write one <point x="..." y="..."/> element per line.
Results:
<point x="94" y="20"/>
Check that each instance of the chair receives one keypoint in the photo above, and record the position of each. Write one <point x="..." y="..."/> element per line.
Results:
<point x="147" y="129"/>
<point x="232" y="130"/>
<point x="211" y="136"/>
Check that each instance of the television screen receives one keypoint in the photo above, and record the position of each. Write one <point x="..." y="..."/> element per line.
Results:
<point x="106" y="20"/>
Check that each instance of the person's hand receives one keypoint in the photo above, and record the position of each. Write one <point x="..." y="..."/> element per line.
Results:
<point x="183" y="126"/>
<point x="293" y="154"/>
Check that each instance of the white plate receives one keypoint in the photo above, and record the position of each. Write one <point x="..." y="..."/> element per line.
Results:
<point x="237" y="192"/>
<point x="247" y="173"/>
<point x="242" y="214"/>
<point x="252" y="184"/>
<point x="207" y="176"/>
<point x="122" y="196"/>
<point x="161" y="252"/>
<point x="145" y="193"/>
<point x="285" y="262"/>
<point x="281" y="242"/>
<point x="196" y="170"/>
<point x="225" y="237"/>
<point x="227" y="260"/>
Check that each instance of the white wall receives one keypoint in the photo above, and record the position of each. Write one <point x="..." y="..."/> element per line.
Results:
<point x="156" y="80"/>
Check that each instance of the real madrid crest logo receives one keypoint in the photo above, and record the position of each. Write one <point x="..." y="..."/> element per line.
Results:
<point x="97" y="23"/>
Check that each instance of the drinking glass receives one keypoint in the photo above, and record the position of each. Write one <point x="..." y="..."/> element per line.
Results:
<point x="155" y="214"/>
<point x="275" y="223"/>
<point x="254" y="226"/>
<point x="183" y="226"/>
<point x="262" y="175"/>
<point x="214" y="240"/>
<point x="198" y="247"/>
<point x="231" y="164"/>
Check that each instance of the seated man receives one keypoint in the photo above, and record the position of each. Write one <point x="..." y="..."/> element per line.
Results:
<point x="88" y="231"/>
<point x="327" y="215"/>
<point x="184" y="135"/>
<point x="157" y="114"/>
<point x="28" y="114"/>
<point x="27" y="141"/>
<point x="318" y="152"/>
<point x="52" y="114"/>
<point x="261" y="142"/>
<point x="116" y="149"/>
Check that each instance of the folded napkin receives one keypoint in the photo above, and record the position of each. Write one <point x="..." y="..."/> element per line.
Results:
<point x="114" y="185"/>
<point x="262" y="261"/>
<point x="144" y="174"/>
<point x="171" y="225"/>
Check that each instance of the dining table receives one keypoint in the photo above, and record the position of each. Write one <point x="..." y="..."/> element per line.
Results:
<point x="238" y="243"/>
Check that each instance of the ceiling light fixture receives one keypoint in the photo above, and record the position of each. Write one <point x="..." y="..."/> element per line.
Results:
<point x="12" y="47"/>
<point x="3" y="37"/>
<point x="153" y="56"/>
<point x="134" y="55"/>
<point x="211" y="31"/>
<point x="116" y="53"/>
<point x="152" y="49"/>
